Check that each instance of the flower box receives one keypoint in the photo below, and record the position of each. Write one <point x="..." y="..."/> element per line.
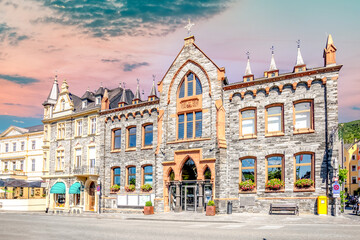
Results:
<point x="115" y="188"/>
<point x="247" y="186"/>
<point x="274" y="184"/>
<point x="146" y="188"/>
<point x="130" y="188"/>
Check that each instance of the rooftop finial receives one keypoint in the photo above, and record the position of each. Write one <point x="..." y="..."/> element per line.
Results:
<point x="272" y="63"/>
<point x="299" y="59"/>
<point x="272" y="49"/>
<point x="248" y="68"/>
<point x="119" y="84"/>
<point x="124" y="85"/>
<point x="101" y="84"/>
<point x="248" y="54"/>
<point x="298" y="43"/>
<point x="153" y="89"/>
<point x="189" y="26"/>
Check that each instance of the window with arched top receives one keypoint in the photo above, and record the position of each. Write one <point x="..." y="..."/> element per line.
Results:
<point x="190" y="86"/>
<point x="172" y="175"/>
<point x="207" y="174"/>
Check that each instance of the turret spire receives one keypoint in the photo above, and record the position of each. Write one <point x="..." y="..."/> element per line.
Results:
<point x="123" y="97"/>
<point x="248" y="68"/>
<point x="54" y="93"/>
<point x="299" y="59"/>
<point x="137" y="97"/>
<point x="330" y="52"/>
<point x="153" y="95"/>
<point x="272" y="62"/>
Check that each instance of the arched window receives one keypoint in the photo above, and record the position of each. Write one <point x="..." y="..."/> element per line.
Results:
<point x="116" y="176"/>
<point x="207" y="174"/>
<point x="172" y="175"/>
<point x="148" y="175"/>
<point x="189" y="171"/>
<point x="190" y="86"/>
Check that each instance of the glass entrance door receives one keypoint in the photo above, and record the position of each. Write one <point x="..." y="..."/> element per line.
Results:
<point x="189" y="198"/>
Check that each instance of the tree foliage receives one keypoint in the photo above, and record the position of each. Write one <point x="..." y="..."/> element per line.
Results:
<point x="350" y="131"/>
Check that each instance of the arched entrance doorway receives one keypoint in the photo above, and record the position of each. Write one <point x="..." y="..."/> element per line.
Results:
<point x="92" y="189"/>
<point x="189" y="189"/>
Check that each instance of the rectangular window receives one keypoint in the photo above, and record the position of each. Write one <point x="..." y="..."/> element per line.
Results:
<point x="33" y="165"/>
<point x="131" y="137"/>
<point x="79" y="127"/>
<point x="148" y="175"/>
<point x="92" y="156"/>
<point x="131" y="176"/>
<point x="84" y="104"/>
<point x="98" y="100"/>
<point x="116" y="176"/>
<point x="14" y="166"/>
<point x="353" y="180"/>
<point x="353" y="157"/>
<point x="248" y="169"/>
<point x="33" y="144"/>
<point x="274" y="165"/>
<point x="6" y="147"/>
<point x="148" y="135"/>
<point x="14" y="147"/>
<point x="60" y="162"/>
<point x="6" y="166"/>
<point x="61" y="130"/>
<point x="248" y="123"/>
<point x="22" y="165"/>
<point x="191" y="124"/>
<point x="353" y="168"/>
<point x="93" y="125"/>
<point x="116" y="139"/>
<point x="22" y="146"/>
<point x="303" y="115"/>
<point x="78" y="157"/>
<point x="274" y="119"/>
<point x="304" y="166"/>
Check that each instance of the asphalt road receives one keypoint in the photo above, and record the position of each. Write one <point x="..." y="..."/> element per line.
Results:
<point x="28" y="226"/>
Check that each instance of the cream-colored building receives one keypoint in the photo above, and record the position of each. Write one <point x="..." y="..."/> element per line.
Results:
<point x="352" y="161"/>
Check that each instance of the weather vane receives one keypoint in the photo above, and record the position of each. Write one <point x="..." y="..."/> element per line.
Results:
<point x="298" y="43"/>
<point x="154" y="76"/>
<point x="189" y="26"/>
<point x="124" y="84"/>
<point x="272" y="49"/>
<point x="248" y="54"/>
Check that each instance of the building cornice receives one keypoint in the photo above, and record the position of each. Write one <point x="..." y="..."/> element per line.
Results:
<point x="73" y="115"/>
<point x="132" y="106"/>
<point x="23" y="135"/>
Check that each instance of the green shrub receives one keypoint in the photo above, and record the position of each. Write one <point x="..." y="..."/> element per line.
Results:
<point x="211" y="203"/>
<point x="146" y="187"/>
<point x="247" y="185"/>
<point x="275" y="184"/>
<point x="148" y="204"/>
<point x="304" y="183"/>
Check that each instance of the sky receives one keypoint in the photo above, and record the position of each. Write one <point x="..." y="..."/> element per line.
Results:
<point x="92" y="42"/>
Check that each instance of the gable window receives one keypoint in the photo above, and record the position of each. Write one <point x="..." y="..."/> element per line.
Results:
<point x="61" y="130"/>
<point x="60" y="161"/>
<point x="248" y="122"/>
<point x="131" y="132"/>
<point x="33" y="144"/>
<point x="79" y="127"/>
<point x="84" y="103"/>
<point x="78" y="157"/>
<point x="148" y="175"/>
<point x="190" y="86"/>
<point x="116" y="139"/>
<point x="98" y="100"/>
<point x="131" y="176"/>
<point x="148" y="135"/>
<point x="14" y="147"/>
<point x="190" y="125"/>
<point x="274" y="119"/>
<point x="93" y="125"/>
<point x="274" y="167"/>
<point x="22" y="147"/>
<point x="303" y="116"/>
<point x="116" y="176"/>
<point x="247" y="169"/>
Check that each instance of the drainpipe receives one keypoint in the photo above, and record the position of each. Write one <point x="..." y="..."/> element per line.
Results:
<point x="326" y="142"/>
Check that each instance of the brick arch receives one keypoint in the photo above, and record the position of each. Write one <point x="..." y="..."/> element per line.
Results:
<point x="181" y="166"/>
<point x="178" y="71"/>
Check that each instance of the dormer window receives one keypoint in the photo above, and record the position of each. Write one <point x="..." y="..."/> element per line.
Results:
<point x="98" y="100"/>
<point x="84" y="104"/>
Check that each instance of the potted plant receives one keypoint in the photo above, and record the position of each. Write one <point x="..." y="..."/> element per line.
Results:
<point x="44" y="195"/>
<point x="146" y="187"/>
<point x="275" y="184"/>
<point x="130" y="188"/>
<point x="304" y="183"/>
<point x="210" y="208"/>
<point x="247" y="185"/>
<point x="148" y="208"/>
<point x="115" y="188"/>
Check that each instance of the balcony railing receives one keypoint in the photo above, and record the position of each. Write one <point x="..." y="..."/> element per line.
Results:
<point x="86" y="170"/>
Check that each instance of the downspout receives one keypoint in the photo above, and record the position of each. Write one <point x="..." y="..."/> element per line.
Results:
<point x="326" y="142"/>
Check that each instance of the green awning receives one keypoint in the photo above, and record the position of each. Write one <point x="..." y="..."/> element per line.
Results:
<point x="75" y="188"/>
<point x="58" y="188"/>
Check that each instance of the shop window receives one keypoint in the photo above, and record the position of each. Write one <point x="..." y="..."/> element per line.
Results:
<point x="148" y="175"/>
<point x="274" y="119"/>
<point x="187" y="88"/>
<point x="303" y="116"/>
<point x="131" y="176"/>
<point x="148" y="135"/>
<point x="190" y="125"/>
<point x="248" y="122"/>
<point x="274" y="167"/>
<point x="131" y="143"/>
<point x="59" y="200"/>
<point x="116" y="145"/>
<point x="247" y="169"/>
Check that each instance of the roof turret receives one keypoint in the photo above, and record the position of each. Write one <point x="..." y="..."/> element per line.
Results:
<point x="54" y="93"/>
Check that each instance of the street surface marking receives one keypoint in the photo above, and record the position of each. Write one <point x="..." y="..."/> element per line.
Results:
<point x="231" y="226"/>
<point x="270" y="227"/>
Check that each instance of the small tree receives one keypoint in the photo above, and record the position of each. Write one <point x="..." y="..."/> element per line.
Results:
<point x="342" y="177"/>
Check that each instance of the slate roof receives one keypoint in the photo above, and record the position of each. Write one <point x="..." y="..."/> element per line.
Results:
<point x="37" y="128"/>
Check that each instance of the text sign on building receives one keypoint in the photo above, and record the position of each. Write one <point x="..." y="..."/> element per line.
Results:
<point x="336" y="189"/>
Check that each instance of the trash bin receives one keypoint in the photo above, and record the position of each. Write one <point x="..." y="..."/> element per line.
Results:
<point x="229" y="208"/>
<point x="322" y="205"/>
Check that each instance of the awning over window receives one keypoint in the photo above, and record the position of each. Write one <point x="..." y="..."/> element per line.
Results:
<point x="58" y="188"/>
<point x="75" y="188"/>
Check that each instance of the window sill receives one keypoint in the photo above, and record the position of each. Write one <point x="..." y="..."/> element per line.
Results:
<point x="130" y="149"/>
<point x="115" y="151"/>
<point x="58" y="170"/>
<point x="78" y="136"/>
<point x="91" y="134"/>
<point x="303" y="131"/>
<point x="277" y="134"/>
<point x="309" y="189"/>
<point x="147" y="147"/>
<point x="247" y="192"/>
<point x="247" y="137"/>
<point x="275" y="191"/>
<point x="60" y="138"/>
<point x="188" y="140"/>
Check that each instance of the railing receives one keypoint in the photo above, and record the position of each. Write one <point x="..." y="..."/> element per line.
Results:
<point x="86" y="170"/>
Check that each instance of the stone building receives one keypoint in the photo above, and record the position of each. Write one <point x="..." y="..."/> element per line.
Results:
<point x="253" y="142"/>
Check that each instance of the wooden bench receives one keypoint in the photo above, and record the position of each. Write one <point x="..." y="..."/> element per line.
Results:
<point x="287" y="207"/>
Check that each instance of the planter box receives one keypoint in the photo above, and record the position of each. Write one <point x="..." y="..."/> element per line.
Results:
<point x="148" y="210"/>
<point x="210" y="210"/>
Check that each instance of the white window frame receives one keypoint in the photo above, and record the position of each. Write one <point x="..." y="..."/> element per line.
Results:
<point x="33" y="165"/>
<point x="79" y="127"/>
